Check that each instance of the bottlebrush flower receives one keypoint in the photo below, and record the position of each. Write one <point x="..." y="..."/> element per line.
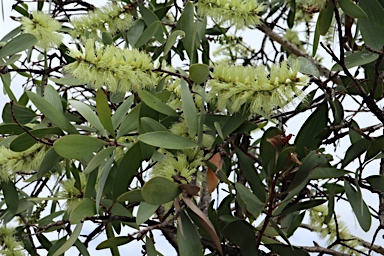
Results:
<point x="240" y="13"/>
<point x="119" y="69"/>
<point x="236" y="86"/>
<point x="44" y="28"/>
<point x="8" y="242"/>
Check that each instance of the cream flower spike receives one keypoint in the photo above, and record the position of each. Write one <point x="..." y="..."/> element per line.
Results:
<point x="44" y="28"/>
<point x="240" y="13"/>
<point x="119" y="69"/>
<point x="111" y="17"/>
<point x="236" y="86"/>
<point x="9" y="243"/>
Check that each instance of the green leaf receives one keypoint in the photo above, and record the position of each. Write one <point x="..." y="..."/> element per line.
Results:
<point x="355" y="150"/>
<point x="103" y="179"/>
<point x="121" y="111"/>
<point x="372" y="28"/>
<point x="18" y="44"/>
<point x="77" y="146"/>
<point x="11" y="60"/>
<point x="106" y="38"/>
<point x="187" y="24"/>
<point x="114" y="242"/>
<point x="150" y="247"/>
<point x="376" y="182"/>
<point x="71" y="240"/>
<point x="167" y="140"/>
<point x="303" y="206"/>
<point x="22" y="114"/>
<point x="54" y="115"/>
<point x="356" y="59"/>
<point x="156" y="104"/>
<point x="88" y="114"/>
<point x="359" y="207"/>
<point x="11" y="196"/>
<point x="131" y="196"/>
<point x="242" y="233"/>
<point x="53" y="97"/>
<point x="189" y="107"/>
<point x="252" y="203"/>
<point x="172" y="39"/>
<point x="99" y="159"/>
<point x="199" y="73"/>
<point x="286" y="250"/>
<point x="325" y="19"/>
<point x="316" y="39"/>
<point x="25" y="141"/>
<point x="187" y="237"/>
<point x="146" y="210"/>
<point x="12" y="129"/>
<point x="375" y="148"/>
<point x="150" y="125"/>
<point x="50" y="160"/>
<point x="86" y="208"/>
<point x="314" y="125"/>
<point x="148" y="33"/>
<point x="327" y="173"/>
<point x="104" y="112"/>
<point x="251" y="174"/>
<point x="159" y="190"/>
<point x="352" y="10"/>
<point x="135" y="31"/>
<point x="130" y="122"/>
<point x="308" y="67"/>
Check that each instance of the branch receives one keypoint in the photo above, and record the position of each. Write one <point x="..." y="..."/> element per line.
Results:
<point x="322" y="250"/>
<point x="263" y="27"/>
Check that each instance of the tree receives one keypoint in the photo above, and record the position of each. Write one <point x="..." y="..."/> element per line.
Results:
<point x="128" y="122"/>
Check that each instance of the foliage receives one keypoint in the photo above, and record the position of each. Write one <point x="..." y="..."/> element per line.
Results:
<point x="128" y="122"/>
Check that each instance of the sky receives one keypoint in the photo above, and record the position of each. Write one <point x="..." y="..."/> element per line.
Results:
<point x="302" y="238"/>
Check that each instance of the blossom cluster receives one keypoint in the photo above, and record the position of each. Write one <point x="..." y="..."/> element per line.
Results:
<point x="12" y="162"/>
<point x="119" y="69"/>
<point x="331" y="230"/>
<point x="9" y="245"/>
<point x="253" y="87"/>
<point x="111" y="17"/>
<point x="44" y="28"/>
<point x="240" y="13"/>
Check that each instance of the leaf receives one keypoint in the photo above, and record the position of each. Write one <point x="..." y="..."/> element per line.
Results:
<point x="106" y="38"/>
<point x="99" y="159"/>
<point x="355" y="150"/>
<point x="121" y="111"/>
<point x="188" y="239"/>
<point x="150" y="125"/>
<point x="104" y="112"/>
<point x="358" y="205"/>
<point x="22" y="114"/>
<point x="50" y="159"/>
<point x="53" y="97"/>
<point x="88" y="114"/>
<point x="159" y="190"/>
<point x="130" y="122"/>
<point x="206" y="223"/>
<point x="308" y="67"/>
<point x="302" y="206"/>
<point x="11" y="196"/>
<point x="356" y="59"/>
<point x="150" y="247"/>
<point x="114" y="242"/>
<point x="375" y="148"/>
<point x="12" y="129"/>
<point x="286" y="250"/>
<point x="156" y="104"/>
<point x="314" y="125"/>
<point x="146" y="210"/>
<point x="325" y="19"/>
<point x="18" y="44"/>
<point x="199" y="73"/>
<point x="54" y="115"/>
<point x="25" y="141"/>
<point x="187" y="24"/>
<point x="103" y="179"/>
<point x="77" y="146"/>
<point x="148" y="33"/>
<point x="327" y="173"/>
<point x="86" y="208"/>
<point x="376" y="182"/>
<point x="135" y="31"/>
<point x="372" y="27"/>
<point x="189" y="108"/>
<point x="352" y="10"/>
<point x="172" y="39"/>
<point x="251" y="175"/>
<point x="131" y="196"/>
<point x="252" y="203"/>
<point x="71" y="240"/>
<point x="167" y="140"/>
<point x="242" y="233"/>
